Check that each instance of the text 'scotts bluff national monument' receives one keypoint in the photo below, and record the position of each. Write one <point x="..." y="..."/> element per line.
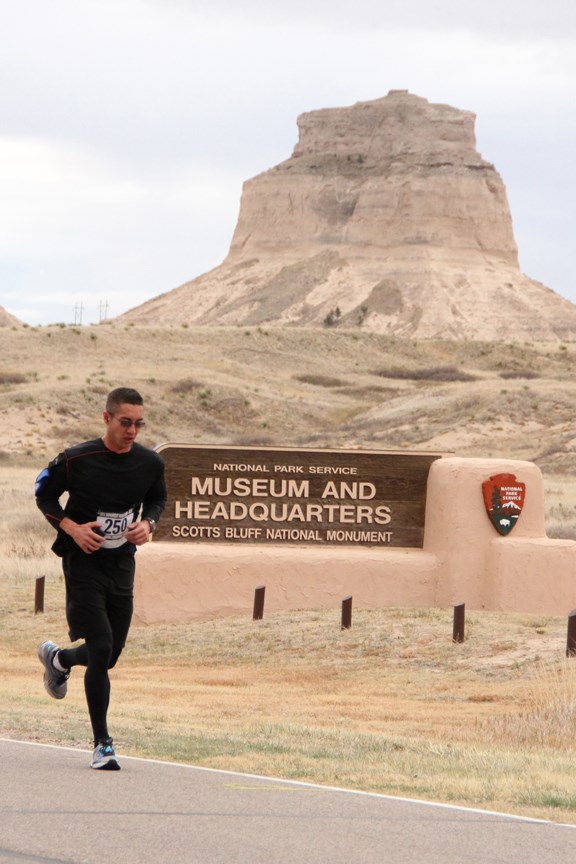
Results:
<point x="385" y="217"/>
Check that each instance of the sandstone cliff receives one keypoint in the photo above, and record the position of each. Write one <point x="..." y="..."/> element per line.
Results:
<point x="8" y="320"/>
<point x="385" y="217"/>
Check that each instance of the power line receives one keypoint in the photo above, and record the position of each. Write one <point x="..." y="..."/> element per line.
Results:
<point x="103" y="310"/>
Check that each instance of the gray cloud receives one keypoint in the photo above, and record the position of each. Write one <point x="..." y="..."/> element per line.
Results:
<point x="512" y="18"/>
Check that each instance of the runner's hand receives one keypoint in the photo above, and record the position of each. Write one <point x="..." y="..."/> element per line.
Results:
<point x="138" y="532"/>
<point x="83" y="534"/>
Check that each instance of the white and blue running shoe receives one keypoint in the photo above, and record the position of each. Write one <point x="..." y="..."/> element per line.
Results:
<point x="104" y="757"/>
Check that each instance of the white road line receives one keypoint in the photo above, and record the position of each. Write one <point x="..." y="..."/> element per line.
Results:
<point x="304" y="785"/>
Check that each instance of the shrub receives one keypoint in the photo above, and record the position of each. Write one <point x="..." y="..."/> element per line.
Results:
<point x="432" y="373"/>
<point x="185" y="385"/>
<point x="333" y="317"/>
<point x="519" y="373"/>
<point x="13" y="378"/>
<point x="561" y="531"/>
<point x="320" y="380"/>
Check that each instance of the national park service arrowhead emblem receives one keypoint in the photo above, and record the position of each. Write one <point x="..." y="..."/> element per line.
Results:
<point x="504" y="500"/>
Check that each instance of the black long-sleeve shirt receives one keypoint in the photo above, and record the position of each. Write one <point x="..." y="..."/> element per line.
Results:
<point x="104" y="486"/>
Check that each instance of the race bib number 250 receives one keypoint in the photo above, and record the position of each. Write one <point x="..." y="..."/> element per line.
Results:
<point x="114" y="526"/>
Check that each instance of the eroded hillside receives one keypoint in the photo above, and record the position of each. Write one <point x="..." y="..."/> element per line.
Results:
<point x="324" y="387"/>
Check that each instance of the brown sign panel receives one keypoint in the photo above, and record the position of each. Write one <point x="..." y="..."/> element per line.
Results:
<point x="281" y="495"/>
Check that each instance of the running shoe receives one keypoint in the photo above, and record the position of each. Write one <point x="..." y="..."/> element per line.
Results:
<point x="104" y="757"/>
<point x="55" y="682"/>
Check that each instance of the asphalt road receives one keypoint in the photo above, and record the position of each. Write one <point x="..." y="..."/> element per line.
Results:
<point x="55" y="809"/>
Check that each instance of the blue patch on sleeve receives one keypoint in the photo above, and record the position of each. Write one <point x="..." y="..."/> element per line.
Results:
<point x="41" y="481"/>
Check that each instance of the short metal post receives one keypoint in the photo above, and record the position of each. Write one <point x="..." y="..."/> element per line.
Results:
<point x="258" y="612"/>
<point x="459" y="623"/>
<point x="347" y="613"/>
<point x="39" y="594"/>
<point x="571" y="640"/>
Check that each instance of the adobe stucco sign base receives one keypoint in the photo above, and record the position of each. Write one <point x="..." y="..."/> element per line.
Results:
<point x="460" y="559"/>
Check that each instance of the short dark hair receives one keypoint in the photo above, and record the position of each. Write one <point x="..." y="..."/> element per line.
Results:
<point x="122" y="395"/>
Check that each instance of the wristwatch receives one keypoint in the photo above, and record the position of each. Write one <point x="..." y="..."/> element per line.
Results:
<point x="152" y="523"/>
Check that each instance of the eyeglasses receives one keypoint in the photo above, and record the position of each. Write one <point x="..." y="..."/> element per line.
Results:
<point x="126" y="423"/>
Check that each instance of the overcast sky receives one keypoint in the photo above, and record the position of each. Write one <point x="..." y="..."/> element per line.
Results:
<point x="127" y="127"/>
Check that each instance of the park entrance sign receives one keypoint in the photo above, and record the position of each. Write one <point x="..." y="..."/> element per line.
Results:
<point x="317" y="526"/>
<point x="294" y="496"/>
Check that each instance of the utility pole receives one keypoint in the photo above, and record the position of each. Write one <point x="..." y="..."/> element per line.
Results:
<point x="103" y="310"/>
<point x="78" y="309"/>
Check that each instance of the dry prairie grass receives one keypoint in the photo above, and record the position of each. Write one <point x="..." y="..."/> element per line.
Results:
<point x="391" y="705"/>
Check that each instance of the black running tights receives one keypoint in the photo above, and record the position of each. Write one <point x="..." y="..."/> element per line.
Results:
<point x="98" y="654"/>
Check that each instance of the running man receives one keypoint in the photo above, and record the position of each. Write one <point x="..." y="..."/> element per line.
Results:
<point x="116" y="494"/>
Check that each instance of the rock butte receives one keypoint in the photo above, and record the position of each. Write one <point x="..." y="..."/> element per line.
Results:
<point x="8" y="320"/>
<point x="384" y="218"/>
